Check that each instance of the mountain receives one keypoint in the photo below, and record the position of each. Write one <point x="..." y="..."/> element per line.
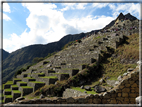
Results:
<point x="120" y="16"/>
<point x="4" y="54"/>
<point x="24" y="56"/>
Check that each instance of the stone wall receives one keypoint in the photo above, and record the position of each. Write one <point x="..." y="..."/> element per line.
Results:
<point x="70" y="92"/>
<point x="124" y="93"/>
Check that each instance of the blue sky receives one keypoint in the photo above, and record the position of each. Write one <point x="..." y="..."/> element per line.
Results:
<point x="41" y="23"/>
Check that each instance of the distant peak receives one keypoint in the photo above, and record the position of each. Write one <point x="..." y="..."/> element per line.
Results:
<point x="128" y="14"/>
<point x="130" y="17"/>
<point x="121" y="16"/>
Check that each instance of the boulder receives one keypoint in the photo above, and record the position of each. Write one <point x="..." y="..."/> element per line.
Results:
<point x="125" y="74"/>
<point x="119" y="78"/>
<point x="102" y="80"/>
<point x="139" y="62"/>
<point x="82" y="87"/>
<point x="138" y="100"/>
<point x="99" y="89"/>
<point x="49" y="65"/>
<point x="87" y="88"/>
<point x="19" y="98"/>
<point x="116" y="83"/>
<point x="56" y="83"/>
<point x="129" y="70"/>
<point x="111" y="82"/>
<point x="42" y="96"/>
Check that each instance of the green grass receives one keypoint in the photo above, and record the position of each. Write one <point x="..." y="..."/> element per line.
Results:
<point x="8" y="96"/>
<point x="38" y="73"/>
<point x="8" y="89"/>
<point x="1" y="101"/>
<point x="16" y="78"/>
<point x="3" y="86"/>
<point x="22" y="82"/>
<point x="14" y="86"/>
<point x="16" y="91"/>
<point x="82" y="90"/>
<point x="66" y="69"/>
<point x="9" y="82"/>
<point x="1" y="95"/>
<point x="49" y="77"/>
<point x="98" y="37"/>
<point x="41" y="73"/>
<point x="37" y="82"/>
<point x="26" y="87"/>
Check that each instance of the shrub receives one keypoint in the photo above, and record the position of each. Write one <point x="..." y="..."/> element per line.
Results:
<point x="28" y="67"/>
<point x="79" y="41"/>
<point x="19" y="71"/>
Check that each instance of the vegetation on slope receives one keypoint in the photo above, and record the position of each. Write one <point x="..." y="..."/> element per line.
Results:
<point x="124" y="57"/>
<point x="111" y="66"/>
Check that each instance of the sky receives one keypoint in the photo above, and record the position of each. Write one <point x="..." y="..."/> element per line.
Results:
<point x="26" y="24"/>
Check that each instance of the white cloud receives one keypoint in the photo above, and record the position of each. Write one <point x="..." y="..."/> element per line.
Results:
<point x="99" y="5"/>
<point x="81" y="5"/>
<point x="73" y="6"/>
<point x="131" y="8"/>
<point x="6" y="7"/>
<point x="5" y="17"/>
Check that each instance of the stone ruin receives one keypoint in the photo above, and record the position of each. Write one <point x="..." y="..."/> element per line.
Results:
<point x="68" y="63"/>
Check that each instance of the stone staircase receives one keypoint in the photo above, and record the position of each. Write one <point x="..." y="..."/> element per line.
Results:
<point x="62" y="65"/>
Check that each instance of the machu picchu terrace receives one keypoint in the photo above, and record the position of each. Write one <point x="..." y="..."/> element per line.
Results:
<point x="69" y="62"/>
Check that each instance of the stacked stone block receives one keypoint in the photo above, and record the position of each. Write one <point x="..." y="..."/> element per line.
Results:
<point x="124" y="93"/>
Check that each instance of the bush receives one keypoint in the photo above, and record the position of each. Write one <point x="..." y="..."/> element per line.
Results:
<point x="28" y="67"/>
<point x="19" y="71"/>
<point x="79" y="41"/>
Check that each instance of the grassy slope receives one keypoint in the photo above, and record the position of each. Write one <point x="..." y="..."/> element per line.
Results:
<point x="113" y="67"/>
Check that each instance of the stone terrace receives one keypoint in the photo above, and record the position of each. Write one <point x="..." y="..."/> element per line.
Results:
<point x="65" y="63"/>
